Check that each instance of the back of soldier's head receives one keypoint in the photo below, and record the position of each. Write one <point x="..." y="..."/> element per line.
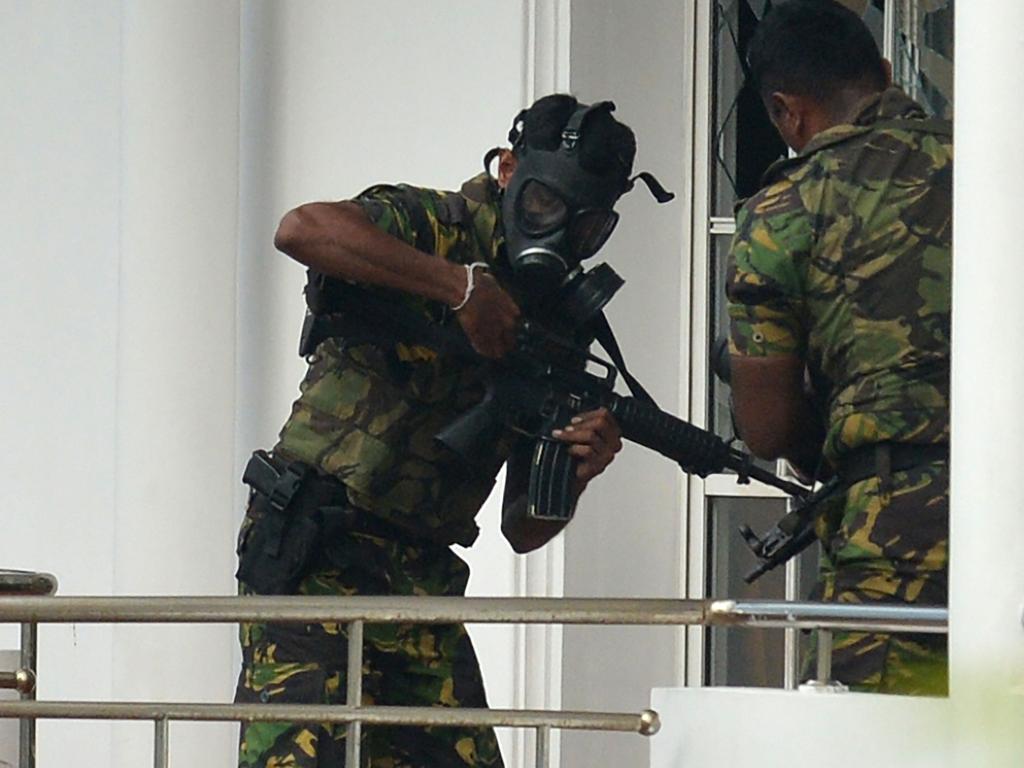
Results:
<point x="814" y="48"/>
<point x="607" y="147"/>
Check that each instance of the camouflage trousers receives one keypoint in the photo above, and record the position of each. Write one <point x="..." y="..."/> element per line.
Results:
<point x="404" y="664"/>
<point x="889" y="543"/>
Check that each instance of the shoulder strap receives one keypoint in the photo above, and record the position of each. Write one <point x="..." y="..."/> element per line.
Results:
<point x="606" y="338"/>
<point x="356" y="315"/>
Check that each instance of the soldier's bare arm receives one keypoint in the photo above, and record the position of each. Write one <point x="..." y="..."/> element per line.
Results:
<point x="338" y="239"/>
<point x="773" y="413"/>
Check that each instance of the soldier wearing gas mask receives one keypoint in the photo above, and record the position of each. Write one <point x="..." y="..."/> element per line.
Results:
<point x="357" y="496"/>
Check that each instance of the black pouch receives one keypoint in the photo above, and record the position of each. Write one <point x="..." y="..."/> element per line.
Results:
<point x="277" y="547"/>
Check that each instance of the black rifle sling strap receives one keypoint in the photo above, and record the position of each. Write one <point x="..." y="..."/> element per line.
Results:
<point x="606" y="338"/>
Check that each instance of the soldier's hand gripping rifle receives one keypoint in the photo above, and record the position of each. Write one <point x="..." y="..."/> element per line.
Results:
<point x="544" y="382"/>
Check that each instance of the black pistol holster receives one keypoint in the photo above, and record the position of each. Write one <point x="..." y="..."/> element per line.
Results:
<point x="282" y="534"/>
<point x="294" y="513"/>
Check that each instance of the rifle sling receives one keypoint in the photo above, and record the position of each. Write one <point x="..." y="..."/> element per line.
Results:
<point x="606" y="338"/>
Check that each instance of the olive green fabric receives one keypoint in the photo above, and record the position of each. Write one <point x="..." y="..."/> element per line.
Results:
<point x="890" y="543"/>
<point x="368" y="415"/>
<point x="844" y="259"/>
<point x="404" y="665"/>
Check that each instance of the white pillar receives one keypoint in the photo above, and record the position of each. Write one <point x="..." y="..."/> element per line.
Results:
<point x="987" y="575"/>
<point x="176" y="358"/>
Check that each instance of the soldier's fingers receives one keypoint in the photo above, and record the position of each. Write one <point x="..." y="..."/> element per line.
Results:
<point x="601" y="421"/>
<point x="590" y="460"/>
<point x="583" y="452"/>
<point x="580" y="434"/>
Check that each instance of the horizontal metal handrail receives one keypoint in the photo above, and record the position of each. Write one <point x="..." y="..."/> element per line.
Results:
<point x="371" y="609"/>
<point x="27" y="583"/>
<point x="645" y="723"/>
<point x="832" y="616"/>
<point x="448" y="610"/>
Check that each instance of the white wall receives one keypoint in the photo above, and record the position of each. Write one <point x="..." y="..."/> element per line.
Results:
<point x="986" y="601"/>
<point x="119" y="210"/>
<point x="176" y="357"/>
<point x="59" y="144"/>
<point x="626" y="539"/>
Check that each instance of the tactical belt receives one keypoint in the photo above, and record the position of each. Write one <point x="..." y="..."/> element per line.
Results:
<point x="281" y="481"/>
<point x="882" y="459"/>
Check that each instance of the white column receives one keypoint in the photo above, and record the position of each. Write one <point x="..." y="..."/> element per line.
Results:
<point x="987" y="529"/>
<point x="176" y="358"/>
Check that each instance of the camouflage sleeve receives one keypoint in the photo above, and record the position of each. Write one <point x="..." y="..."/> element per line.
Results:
<point x="764" y="286"/>
<point x="408" y="213"/>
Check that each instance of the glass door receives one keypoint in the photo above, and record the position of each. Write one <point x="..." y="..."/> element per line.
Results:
<point x="734" y="143"/>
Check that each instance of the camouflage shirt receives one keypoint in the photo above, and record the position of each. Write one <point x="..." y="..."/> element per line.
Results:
<point x="844" y="260"/>
<point x="368" y="413"/>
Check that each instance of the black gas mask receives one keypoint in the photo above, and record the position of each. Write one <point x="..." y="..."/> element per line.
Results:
<point x="558" y="213"/>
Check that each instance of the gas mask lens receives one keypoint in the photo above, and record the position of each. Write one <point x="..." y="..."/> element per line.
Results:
<point x="589" y="230"/>
<point x="541" y="209"/>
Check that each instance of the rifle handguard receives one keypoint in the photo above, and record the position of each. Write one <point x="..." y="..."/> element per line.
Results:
<point x="697" y="450"/>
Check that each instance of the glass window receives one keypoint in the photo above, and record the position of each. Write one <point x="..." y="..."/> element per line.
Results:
<point x="922" y="55"/>
<point x="748" y="657"/>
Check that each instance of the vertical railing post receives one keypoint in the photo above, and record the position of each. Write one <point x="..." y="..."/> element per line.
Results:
<point x="791" y="644"/>
<point x="161" y="747"/>
<point x="543" y="757"/>
<point x="27" y="725"/>
<point x="824" y="676"/>
<point x="354" y="693"/>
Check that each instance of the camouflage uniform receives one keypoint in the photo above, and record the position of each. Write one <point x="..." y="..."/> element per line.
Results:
<point x="367" y="416"/>
<point x="843" y="259"/>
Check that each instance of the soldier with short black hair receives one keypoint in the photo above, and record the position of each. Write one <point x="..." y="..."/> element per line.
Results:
<point x="358" y="496"/>
<point x="839" y="299"/>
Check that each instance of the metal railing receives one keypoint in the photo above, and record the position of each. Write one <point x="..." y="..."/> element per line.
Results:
<point x="23" y="679"/>
<point x="357" y="611"/>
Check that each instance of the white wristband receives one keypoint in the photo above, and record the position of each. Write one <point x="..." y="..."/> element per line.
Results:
<point x="470" y="285"/>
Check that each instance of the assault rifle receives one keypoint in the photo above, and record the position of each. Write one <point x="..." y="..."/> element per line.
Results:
<point x="537" y="388"/>
<point x="546" y="380"/>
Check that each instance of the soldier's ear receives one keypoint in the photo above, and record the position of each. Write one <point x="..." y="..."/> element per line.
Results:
<point x="506" y="167"/>
<point x="780" y="107"/>
<point x="786" y="114"/>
